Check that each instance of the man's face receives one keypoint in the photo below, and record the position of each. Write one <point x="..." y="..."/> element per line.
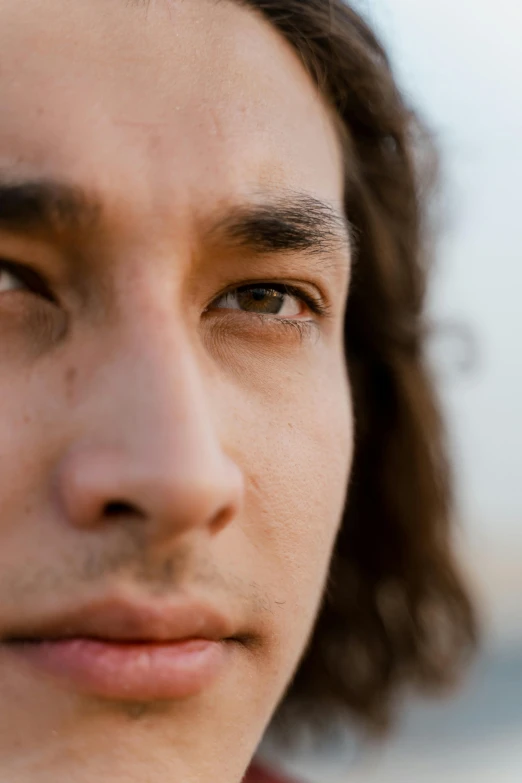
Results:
<point x="175" y="427"/>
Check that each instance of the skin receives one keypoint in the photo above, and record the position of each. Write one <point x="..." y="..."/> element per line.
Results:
<point x="226" y="433"/>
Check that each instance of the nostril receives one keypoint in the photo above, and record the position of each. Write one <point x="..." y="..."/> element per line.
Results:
<point x="120" y="508"/>
<point x="222" y="519"/>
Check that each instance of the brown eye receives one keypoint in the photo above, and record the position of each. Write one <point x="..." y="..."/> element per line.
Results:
<point x="261" y="300"/>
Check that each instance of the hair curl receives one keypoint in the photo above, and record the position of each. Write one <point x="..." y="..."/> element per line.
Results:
<point x="396" y="611"/>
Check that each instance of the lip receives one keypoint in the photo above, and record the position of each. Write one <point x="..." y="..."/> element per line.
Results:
<point x="134" y="651"/>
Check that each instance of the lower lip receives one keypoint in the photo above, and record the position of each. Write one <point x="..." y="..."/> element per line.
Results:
<point x="128" y="670"/>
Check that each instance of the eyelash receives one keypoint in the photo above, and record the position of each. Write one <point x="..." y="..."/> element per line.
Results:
<point x="32" y="280"/>
<point x="300" y="327"/>
<point x="314" y="303"/>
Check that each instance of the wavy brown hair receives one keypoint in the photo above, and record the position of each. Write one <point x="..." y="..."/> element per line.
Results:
<point x="395" y="611"/>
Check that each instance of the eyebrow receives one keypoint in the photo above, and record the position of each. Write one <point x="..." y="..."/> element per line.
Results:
<point x="294" y="222"/>
<point x="291" y="222"/>
<point x="46" y="206"/>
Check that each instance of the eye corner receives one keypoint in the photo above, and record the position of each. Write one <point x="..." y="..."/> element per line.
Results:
<point x="28" y="279"/>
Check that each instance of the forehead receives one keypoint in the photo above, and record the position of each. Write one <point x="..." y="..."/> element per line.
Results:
<point x="192" y="101"/>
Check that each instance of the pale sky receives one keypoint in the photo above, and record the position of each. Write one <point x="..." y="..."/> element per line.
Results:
<point x="461" y="63"/>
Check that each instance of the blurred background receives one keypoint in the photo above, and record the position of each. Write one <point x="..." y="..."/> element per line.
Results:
<point x="460" y="64"/>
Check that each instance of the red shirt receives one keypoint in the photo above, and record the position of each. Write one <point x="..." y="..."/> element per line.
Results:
<point x="258" y="774"/>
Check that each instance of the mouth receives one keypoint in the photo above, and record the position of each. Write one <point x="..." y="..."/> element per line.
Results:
<point x="130" y="651"/>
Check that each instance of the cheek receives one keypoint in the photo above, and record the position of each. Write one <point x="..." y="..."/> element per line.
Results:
<point x="32" y="429"/>
<point x="299" y="460"/>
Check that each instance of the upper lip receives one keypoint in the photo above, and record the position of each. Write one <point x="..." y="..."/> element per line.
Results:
<point x="122" y="620"/>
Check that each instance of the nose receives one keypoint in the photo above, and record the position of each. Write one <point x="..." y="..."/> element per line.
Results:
<point x="148" y="448"/>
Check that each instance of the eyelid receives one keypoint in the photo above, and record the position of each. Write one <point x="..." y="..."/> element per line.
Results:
<point x="31" y="279"/>
<point x="315" y="303"/>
